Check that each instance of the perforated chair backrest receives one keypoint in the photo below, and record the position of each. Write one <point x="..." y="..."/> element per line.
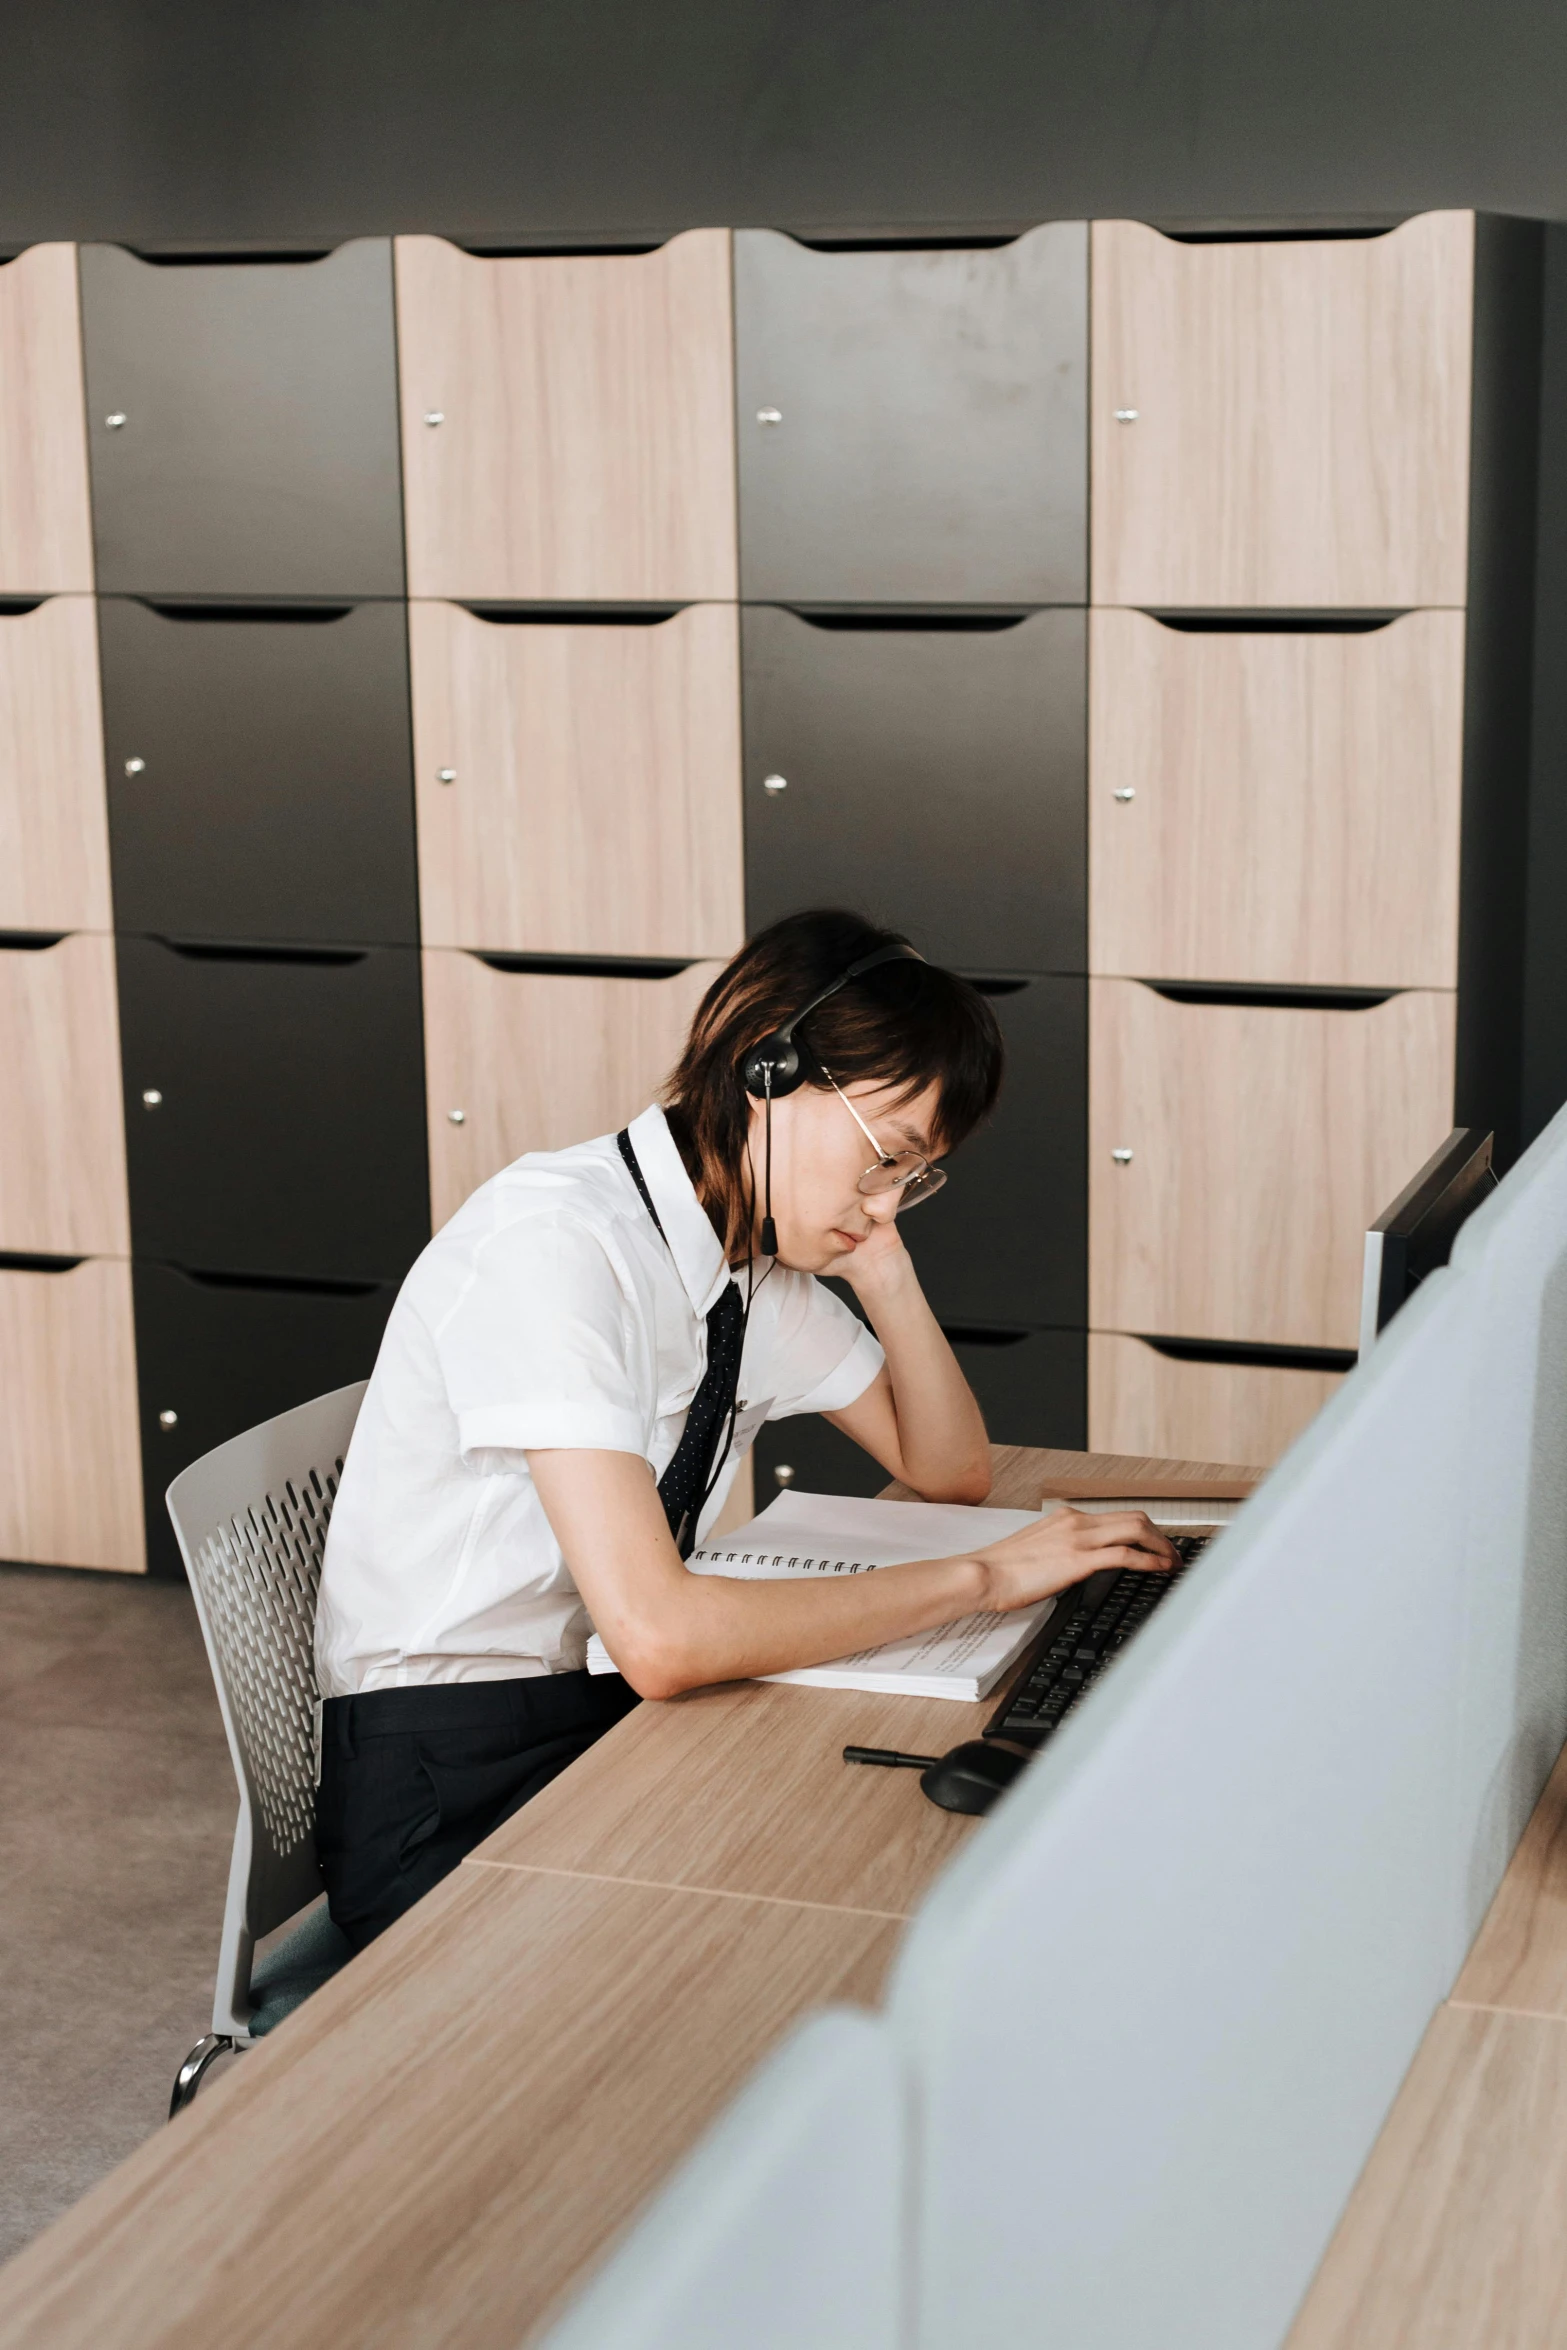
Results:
<point x="251" y="1520"/>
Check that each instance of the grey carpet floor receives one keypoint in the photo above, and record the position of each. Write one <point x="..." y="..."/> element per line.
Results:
<point x="117" y="1808"/>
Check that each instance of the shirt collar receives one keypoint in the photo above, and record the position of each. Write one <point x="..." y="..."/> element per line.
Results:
<point x="694" y="1245"/>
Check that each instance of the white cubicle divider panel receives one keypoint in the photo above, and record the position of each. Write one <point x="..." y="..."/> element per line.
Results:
<point x="1513" y="1255"/>
<point x="784" y="2227"/>
<point x="1158" y="2008"/>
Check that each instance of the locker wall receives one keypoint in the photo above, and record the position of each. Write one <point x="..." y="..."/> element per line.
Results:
<point x="45" y="528"/>
<point x="617" y="764"/>
<point x="540" y="743"/>
<point x="54" y="840"/>
<point x="1005" y="1241"/>
<point x="933" y="775"/>
<point x="568" y="423"/>
<point x="911" y="422"/>
<point x="70" y="1470"/>
<point x="260" y="772"/>
<point x="217" y="1353"/>
<point x="1276" y="804"/>
<point x="1282" y="421"/>
<point x="528" y="1060"/>
<point x="62" y="1137"/>
<point x="1305" y="775"/>
<point x="274" y="1107"/>
<point x="243" y="424"/>
<point x="1141" y="1400"/>
<point x="1237" y="1153"/>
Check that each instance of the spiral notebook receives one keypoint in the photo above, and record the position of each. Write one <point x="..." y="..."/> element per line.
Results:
<point x="831" y="1535"/>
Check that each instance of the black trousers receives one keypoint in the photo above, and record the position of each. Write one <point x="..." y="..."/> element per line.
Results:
<point x="413" y="1779"/>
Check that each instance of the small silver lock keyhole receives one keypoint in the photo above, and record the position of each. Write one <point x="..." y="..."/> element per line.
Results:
<point x="168" y="1420"/>
<point x="446" y="775"/>
<point x="151" y="1099"/>
<point x="1126" y="416"/>
<point x="135" y="766"/>
<point x="1122" y="1158"/>
<point x="435" y="416"/>
<point x="769" y="416"/>
<point x="457" y="1117"/>
<point x="1127" y="793"/>
<point x="774" y="784"/>
<point x="115" y="421"/>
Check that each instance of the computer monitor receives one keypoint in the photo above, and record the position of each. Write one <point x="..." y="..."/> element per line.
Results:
<point x="1416" y="1234"/>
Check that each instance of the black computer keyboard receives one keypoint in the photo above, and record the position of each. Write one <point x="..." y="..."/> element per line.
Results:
<point x="1088" y="1626"/>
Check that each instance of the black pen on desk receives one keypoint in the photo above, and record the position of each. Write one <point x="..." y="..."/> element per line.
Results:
<point x="889" y="1758"/>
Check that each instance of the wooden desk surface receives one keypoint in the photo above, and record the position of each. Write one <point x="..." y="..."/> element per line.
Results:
<point x="437" y="2145"/>
<point x="744" y="1789"/>
<point x="447" y="2136"/>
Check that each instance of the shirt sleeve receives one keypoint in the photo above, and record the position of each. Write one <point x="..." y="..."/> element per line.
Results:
<point x="823" y="1357"/>
<point x="541" y="1347"/>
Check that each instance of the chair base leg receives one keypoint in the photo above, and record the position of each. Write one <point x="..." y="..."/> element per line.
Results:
<point x="189" y="2077"/>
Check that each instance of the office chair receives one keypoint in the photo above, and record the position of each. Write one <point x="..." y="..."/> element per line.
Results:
<point x="251" y="1520"/>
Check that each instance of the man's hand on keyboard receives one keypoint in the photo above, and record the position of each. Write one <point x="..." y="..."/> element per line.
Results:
<point x="1066" y="1546"/>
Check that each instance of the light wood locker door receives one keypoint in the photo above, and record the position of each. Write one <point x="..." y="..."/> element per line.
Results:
<point x="45" y="521"/>
<point x="1140" y="1401"/>
<point x="568" y="424"/>
<point x="1281" y="422"/>
<point x="592" y="796"/>
<point x="54" y="823"/>
<point x="62" y="1127"/>
<point x="70" y="1454"/>
<point x="1262" y="1142"/>
<point x="532" y="1061"/>
<point x="1275" y="807"/>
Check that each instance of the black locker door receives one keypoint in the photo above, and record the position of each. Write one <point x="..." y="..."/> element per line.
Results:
<point x="933" y="776"/>
<point x="260" y="772"/>
<point x="274" y="1109"/>
<point x="215" y="1356"/>
<point x="1031" y="1385"/>
<point x="913" y="424"/>
<point x="242" y="424"/>
<point x="1005" y="1243"/>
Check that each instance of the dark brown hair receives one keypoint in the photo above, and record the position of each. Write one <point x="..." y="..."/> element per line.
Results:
<point x="906" y="1024"/>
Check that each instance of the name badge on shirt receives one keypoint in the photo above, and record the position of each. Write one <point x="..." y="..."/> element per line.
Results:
<point x="747" y="1421"/>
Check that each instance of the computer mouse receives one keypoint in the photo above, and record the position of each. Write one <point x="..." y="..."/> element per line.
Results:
<point x="971" y="1777"/>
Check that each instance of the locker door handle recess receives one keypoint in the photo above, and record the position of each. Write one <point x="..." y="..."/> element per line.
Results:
<point x="285" y="1284"/>
<point x="1244" y="1354"/>
<point x="585" y="966"/>
<point x="932" y="623"/>
<point x="981" y="1334"/>
<point x="1273" y="999"/>
<point x="195" y="950"/>
<point x="1277" y="621"/>
<point x="232" y="615"/>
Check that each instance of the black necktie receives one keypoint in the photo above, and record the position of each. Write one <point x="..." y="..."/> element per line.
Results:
<point x="684" y="1485"/>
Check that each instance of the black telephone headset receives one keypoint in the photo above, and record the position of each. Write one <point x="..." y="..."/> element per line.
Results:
<point x="775" y="1068"/>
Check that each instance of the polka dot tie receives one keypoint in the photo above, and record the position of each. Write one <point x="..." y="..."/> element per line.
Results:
<point x="684" y="1485"/>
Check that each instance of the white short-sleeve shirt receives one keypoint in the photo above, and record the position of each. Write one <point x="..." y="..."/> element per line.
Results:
<point x="548" y="1312"/>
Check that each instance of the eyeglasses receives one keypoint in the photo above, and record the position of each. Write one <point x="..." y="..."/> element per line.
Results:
<point x="904" y="1171"/>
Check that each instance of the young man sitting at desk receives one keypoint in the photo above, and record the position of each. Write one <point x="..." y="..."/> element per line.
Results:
<point x="576" y="1364"/>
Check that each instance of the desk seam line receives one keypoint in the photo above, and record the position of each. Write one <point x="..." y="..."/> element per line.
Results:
<point x="1533" y="2015"/>
<point x="854" y="1909"/>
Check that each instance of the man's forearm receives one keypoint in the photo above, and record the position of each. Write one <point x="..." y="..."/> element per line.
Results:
<point x="941" y="1435"/>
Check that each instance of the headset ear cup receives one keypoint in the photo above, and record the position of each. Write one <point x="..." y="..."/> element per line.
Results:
<point x="778" y="1054"/>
